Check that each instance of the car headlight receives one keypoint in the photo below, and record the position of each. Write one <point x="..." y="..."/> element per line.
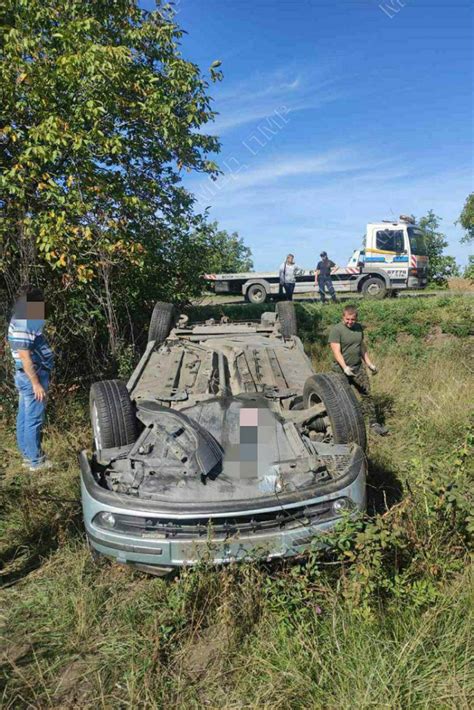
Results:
<point x="342" y="505"/>
<point x="107" y="520"/>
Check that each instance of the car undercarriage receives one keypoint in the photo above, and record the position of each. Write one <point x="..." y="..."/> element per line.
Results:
<point x="223" y="435"/>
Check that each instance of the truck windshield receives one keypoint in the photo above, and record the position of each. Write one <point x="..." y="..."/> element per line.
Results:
<point x="417" y="241"/>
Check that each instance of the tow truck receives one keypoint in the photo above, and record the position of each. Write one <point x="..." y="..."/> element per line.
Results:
<point x="393" y="258"/>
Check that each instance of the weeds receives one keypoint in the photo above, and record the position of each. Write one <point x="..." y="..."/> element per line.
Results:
<point x="382" y="619"/>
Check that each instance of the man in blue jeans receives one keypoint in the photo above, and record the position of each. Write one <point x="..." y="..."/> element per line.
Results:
<point x="34" y="361"/>
<point x="322" y="278"/>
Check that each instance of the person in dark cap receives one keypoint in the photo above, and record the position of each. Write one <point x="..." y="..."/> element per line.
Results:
<point x="322" y="277"/>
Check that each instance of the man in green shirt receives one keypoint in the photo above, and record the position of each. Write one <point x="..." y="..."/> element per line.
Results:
<point x="351" y="358"/>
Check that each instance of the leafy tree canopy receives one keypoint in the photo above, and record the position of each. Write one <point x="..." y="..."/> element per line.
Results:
<point x="100" y="116"/>
<point x="469" y="269"/>
<point x="467" y="218"/>
<point x="441" y="267"/>
<point x="225" y="253"/>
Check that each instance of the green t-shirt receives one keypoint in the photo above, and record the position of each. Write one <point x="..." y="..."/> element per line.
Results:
<point x="350" y="340"/>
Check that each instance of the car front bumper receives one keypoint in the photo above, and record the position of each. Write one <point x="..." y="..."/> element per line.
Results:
<point x="160" y="550"/>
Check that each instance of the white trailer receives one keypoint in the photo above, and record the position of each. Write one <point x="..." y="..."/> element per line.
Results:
<point x="393" y="258"/>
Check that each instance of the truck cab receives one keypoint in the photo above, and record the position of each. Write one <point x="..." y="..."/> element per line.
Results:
<point x="393" y="258"/>
<point x="398" y="249"/>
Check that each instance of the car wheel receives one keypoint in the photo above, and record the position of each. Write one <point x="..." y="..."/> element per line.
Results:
<point x="374" y="288"/>
<point x="287" y="317"/>
<point x="112" y="414"/>
<point x="343" y="422"/>
<point x="257" y="293"/>
<point x="162" y="321"/>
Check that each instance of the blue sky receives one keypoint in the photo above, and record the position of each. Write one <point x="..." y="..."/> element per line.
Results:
<point x="333" y="114"/>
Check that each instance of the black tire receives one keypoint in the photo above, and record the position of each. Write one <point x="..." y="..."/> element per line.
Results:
<point x="162" y="321"/>
<point x="344" y="414"/>
<point x="256" y="293"/>
<point x="287" y="317"/>
<point x="112" y="414"/>
<point x="374" y="287"/>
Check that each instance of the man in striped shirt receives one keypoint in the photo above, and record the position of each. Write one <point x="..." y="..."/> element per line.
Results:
<point x="34" y="361"/>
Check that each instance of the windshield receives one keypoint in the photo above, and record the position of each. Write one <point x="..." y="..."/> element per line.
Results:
<point x="417" y="241"/>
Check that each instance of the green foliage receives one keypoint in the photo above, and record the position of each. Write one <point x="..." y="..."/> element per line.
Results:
<point x="102" y="115"/>
<point x="469" y="270"/>
<point x="441" y="267"/>
<point x="466" y="218"/>
<point x="385" y="321"/>
<point x="381" y="617"/>
<point x="226" y="253"/>
<point x="387" y="555"/>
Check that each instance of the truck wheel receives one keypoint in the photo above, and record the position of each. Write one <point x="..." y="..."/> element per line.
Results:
<point x="287" y="317"/>
<point x="112" y="414"/>
<point x="257" y="293"/>
<point x="343" y="422"/>
<point x="374" y="287"/>
<point x="161" y="323"/>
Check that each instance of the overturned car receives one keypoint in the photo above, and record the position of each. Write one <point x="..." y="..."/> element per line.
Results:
<point x="224" y="445"/>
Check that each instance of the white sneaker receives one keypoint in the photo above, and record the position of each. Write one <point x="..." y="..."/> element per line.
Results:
<point x="43" y="466"/>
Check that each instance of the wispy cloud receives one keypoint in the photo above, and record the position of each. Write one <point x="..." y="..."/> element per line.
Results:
<point x="261" y="85"/>
<point x="252" y="100"/>
<point x="286" y="174"/>
<point x="294" y="166"/>
<point x="331" y="213"/>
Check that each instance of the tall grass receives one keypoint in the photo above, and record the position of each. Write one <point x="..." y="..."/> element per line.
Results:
<point x="382" y="620"/>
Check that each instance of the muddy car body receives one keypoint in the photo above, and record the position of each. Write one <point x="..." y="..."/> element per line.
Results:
<point x="224" y="444"/>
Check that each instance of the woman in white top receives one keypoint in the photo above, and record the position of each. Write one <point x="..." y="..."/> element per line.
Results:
<point x="288" y="276"/>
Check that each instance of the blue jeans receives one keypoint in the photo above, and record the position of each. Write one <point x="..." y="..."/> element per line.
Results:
<point x="289" y="288"/>
<point x="30" y="418"/>
<point x="325" y="282"/>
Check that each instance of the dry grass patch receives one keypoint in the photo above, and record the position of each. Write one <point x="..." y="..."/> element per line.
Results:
<point x="459" y="284"/>
<point x="383" y="621"/>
